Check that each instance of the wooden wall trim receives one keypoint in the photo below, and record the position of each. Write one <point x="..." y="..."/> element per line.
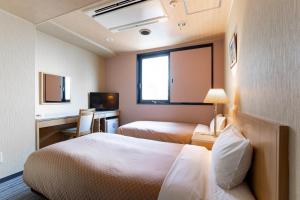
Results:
<point x="268" y="177"/>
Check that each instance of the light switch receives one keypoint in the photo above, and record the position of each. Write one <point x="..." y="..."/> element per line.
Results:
<point x="1" y="157"/>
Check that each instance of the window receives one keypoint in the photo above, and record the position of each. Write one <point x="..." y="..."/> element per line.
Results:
<point x="175" y="76"/>
<point x="67" y="88"/>
<point x="154" y="83"/>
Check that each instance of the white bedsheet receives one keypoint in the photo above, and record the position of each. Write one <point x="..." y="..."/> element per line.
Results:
<point x="187" y="177"/>
<point x="191" y="178"/>
<point x="214" y="192"/>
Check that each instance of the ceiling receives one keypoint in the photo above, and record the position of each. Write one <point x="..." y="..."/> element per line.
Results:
<point x="66" y="20"/>
<point x="38" y="11"/>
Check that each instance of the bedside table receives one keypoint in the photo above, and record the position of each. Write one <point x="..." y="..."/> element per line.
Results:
<point x="206" y="141"/>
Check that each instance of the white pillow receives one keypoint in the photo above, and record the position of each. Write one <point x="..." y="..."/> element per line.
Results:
<point x="202" y="129"/>
<point x="221" y="123"/>
<point x="231" y="158"/>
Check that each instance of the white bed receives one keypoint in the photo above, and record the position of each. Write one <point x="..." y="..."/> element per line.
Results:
<point x="107" y="166"/>
<point x="63" y="171"/>
<point x="175" y="132"/>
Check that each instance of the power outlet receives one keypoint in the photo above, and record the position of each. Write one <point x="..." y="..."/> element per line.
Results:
<point x="1" y="157"/>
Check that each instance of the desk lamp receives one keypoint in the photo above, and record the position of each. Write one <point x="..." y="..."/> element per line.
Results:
<point x="216" y="96"/>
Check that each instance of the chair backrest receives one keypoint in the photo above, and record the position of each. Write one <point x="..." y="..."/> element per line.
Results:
<point x="85" y="122"/>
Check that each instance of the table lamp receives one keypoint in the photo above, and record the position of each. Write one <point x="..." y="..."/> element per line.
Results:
<point x="216" y="96"/>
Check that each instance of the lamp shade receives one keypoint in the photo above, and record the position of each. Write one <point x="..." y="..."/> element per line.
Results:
<point x="216" y="96"/>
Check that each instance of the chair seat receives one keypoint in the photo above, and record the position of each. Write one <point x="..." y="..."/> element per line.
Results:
<point x="72" y="131"/>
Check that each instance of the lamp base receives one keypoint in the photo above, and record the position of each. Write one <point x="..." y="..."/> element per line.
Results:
<point x="215" y="120"/>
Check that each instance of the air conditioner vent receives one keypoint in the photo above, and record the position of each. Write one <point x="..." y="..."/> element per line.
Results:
<point x="115" y="6"/>
<point x="127" y="14"/>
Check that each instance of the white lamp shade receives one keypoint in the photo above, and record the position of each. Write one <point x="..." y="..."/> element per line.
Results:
<point x="216" y="96"/>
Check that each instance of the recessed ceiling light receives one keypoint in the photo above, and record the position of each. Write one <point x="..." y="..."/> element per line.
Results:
<point x="145" y="31"/>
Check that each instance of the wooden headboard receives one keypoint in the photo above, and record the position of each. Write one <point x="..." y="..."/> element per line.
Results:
<point x="268" y="177"/>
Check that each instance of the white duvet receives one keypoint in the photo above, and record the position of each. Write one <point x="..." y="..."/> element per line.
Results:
<point x="191" y="178"/>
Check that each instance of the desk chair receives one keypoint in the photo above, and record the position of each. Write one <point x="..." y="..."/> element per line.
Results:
<point x="85" y="124"/>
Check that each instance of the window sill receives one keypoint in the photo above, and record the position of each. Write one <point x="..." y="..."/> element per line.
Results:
<point x="169" y="103"/>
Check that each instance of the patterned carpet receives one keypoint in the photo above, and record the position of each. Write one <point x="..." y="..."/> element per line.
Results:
<point x="16" y="189"/>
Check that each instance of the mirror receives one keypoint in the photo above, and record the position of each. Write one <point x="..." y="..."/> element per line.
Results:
<point x="55" y="89"/>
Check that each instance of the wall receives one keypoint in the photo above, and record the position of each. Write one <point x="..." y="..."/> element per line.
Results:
<point x="265" y="81"/>
<point x="17" y="52"/>
<point x="121" y="77"/>
<point x="85" y="69"/>
<point x="23" y="53"/>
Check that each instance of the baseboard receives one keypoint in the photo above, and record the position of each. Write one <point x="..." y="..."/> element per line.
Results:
<point x="2" y="180"/>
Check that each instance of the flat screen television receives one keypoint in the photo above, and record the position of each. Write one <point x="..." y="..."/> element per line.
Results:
<point x="103" y="101"/>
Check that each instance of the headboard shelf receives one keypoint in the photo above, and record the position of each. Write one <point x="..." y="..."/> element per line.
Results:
<point x="268" y="177"/>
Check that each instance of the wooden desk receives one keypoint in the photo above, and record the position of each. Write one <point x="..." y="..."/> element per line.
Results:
<point x="65" y="119"/>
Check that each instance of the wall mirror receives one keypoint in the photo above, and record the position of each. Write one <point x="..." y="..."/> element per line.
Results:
<point x="54" y="88"/>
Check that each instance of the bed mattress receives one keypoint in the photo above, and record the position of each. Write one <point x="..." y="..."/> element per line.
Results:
<point x="161" y="131"/>
<point x="108" y="166"/>
<point x="101" y="166"/>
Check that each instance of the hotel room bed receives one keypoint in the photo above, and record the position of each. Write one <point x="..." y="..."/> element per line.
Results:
<point x="108" y="166"/>
<point x="161" y="131"/>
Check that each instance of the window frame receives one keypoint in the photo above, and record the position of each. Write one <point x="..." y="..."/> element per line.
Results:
<point x="167" y="52"/>
<point x="140" y="57"/>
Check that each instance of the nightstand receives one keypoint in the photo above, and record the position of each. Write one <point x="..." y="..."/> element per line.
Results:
<point x="204" y="140"/>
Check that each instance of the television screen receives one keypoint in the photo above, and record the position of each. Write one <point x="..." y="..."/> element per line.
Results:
<point x="103" y="101"/>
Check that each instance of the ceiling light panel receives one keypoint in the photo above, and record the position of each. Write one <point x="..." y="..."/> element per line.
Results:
<point x="139" y="14"/>
<point x="198" y="6"/>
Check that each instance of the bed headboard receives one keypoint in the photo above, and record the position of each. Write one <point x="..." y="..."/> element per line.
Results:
<point x="268" y="177"/>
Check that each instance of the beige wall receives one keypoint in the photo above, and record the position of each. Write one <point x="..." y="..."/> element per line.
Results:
<point x="17" y="137"/>
<point x="265" y="81"/>
<point x="85" y="69"/>
<point x="23" y="53"/>
<point x="121" y="77"/>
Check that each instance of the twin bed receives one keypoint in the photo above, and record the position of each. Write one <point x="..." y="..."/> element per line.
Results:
<point x="107" y="166"/>
<point x="161" y="131"/>
<point x="175" y="132"/>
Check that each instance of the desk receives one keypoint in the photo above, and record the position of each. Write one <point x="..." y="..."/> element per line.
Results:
<point x="65" y="119"/>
